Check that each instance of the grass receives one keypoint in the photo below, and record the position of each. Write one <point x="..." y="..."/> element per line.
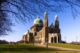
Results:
<point x="72" y="46"/>
<point x="38" y="52"/>
<point x="28" y="48"/>
<point x="22" y="47"/>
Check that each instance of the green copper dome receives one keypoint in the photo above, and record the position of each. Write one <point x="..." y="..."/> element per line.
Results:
<point x="38" y="21"/>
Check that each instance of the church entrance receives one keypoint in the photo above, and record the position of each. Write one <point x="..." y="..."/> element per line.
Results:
<point x="55" y="39"/>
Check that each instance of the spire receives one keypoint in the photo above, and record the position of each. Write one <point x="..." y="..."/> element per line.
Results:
<point x="46" y="19"/>
<point x="45" y="15"/>
<point x="56" y="17"/>
<point x="56" y="22"/>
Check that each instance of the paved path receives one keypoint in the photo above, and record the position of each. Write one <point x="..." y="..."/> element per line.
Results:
<point x="60" y="48"/>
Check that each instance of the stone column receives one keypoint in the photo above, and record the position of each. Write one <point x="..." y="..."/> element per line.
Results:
<point x="57" y="39"/>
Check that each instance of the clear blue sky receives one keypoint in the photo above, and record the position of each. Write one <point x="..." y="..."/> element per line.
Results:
<point x="70" y="27"/>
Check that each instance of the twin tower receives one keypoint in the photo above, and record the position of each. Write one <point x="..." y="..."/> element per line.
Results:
<point x="41" y="32"/>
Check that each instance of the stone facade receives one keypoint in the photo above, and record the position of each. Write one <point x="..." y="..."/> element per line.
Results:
<point x="40" y="32"/>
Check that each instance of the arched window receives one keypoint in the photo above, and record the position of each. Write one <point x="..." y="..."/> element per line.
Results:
<point x="52" y="40"/>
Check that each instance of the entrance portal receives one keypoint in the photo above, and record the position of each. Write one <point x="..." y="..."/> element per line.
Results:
<point x="55" y="39"/>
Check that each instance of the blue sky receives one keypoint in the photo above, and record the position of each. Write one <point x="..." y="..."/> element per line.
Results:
<point x="70" y="27"/>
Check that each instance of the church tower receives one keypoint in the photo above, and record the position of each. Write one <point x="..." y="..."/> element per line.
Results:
<point x="57" y="29"/>
<point x="45" y="28"/>
<point x="56" y="22"/>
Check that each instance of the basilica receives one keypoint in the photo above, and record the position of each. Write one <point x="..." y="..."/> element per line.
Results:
<point x="41" y="32"/>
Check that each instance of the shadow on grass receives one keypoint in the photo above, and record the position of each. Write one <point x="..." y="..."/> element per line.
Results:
<point x="25" y="48"/>
<point x="28" y="49"/>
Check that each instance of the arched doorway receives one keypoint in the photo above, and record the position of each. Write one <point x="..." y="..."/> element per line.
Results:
<point x="55" y="39"/>
<point x="52" y="39"/>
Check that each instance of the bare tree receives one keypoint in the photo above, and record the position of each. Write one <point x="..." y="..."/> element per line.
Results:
<point x="25" y="9"/>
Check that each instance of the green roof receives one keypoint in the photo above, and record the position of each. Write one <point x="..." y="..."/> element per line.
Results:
<point x="38" y="21"/>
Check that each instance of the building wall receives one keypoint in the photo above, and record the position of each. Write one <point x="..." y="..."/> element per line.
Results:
<point x="38" y="37"/>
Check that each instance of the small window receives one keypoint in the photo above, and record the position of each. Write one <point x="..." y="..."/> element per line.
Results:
<point x="35" y="34"/>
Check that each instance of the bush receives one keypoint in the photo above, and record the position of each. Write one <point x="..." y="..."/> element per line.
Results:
<point x="3" y="42"/>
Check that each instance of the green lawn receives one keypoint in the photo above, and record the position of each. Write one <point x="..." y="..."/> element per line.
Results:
<point x="72" y="46"/>
<point x="28" y="48"/>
